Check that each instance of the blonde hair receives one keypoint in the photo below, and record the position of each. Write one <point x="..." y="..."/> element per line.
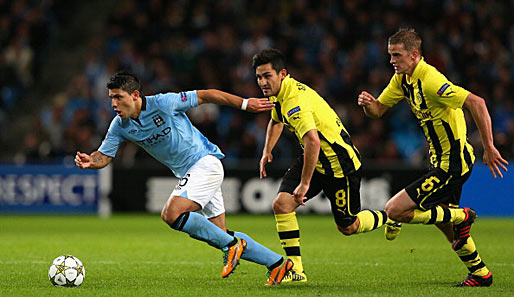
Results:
<point x="408" y="37"/>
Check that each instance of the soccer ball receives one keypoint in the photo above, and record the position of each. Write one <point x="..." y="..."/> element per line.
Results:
<point x="66" y="271"/>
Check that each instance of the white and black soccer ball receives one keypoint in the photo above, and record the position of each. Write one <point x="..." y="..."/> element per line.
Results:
<point x="66" y="271"/>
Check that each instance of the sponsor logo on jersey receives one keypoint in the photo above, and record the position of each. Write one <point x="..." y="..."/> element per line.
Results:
<point x="442" y="89"/>
<point x="155" y="138"/>
<point x="293" y="111"/>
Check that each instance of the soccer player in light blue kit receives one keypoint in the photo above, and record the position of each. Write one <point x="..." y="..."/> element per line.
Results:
<point x="160" y="125"/>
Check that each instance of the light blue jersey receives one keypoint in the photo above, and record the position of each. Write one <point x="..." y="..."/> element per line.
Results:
<point x="164" y="131"/>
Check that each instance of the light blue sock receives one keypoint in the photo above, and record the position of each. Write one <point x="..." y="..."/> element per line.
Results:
<point x="257" y="253"/>
<point x="199" y="227"/>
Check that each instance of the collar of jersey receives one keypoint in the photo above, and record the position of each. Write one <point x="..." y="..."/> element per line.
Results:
<point x="143" y="104"/>
<point x="284" y="88"/>
<point x="143" y="107"/>
<point x="418" y="70"/>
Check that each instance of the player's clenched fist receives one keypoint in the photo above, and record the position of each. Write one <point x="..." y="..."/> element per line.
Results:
<point x="365" y="99"/>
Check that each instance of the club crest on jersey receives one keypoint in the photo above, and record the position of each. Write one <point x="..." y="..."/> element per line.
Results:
<point x="183" y="96"/>
<point x="158" y="121"/>
<point x="442" y="89"/>
<point x="293" y="111"/>
<point x="133" y="131"/>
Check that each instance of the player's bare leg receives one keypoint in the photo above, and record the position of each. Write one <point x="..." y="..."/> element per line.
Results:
<point x="175" y="206"/>
<point x="401" y="207"/>
<point x="349" y="230"/>
<point x="219" y="221"/>
<point x="284" y="203"/>
<point x="447" y="230"/>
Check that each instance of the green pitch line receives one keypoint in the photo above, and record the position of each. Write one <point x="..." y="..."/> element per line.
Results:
<point x="138" y="255"/>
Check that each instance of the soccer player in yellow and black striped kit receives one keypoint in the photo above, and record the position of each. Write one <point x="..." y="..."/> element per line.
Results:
<point x="330" y="162"/>
<point x="437" y="104"/>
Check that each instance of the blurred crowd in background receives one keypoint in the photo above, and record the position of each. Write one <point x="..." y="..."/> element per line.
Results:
<point x="338" y="48"/>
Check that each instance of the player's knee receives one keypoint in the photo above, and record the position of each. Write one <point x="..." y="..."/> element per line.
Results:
<point x="278" y="206"/>
<point x="394" y="215"/>
<point x="348" y="230"/>
<point x="389" y="207"/>
<point x="174" y="219"/>
<point x="165" y="216"/>
<point x="393" y="212"/>
<point x="283" y="204"/>
<point x="397" y="214"/>
<point x="169" y="216"/>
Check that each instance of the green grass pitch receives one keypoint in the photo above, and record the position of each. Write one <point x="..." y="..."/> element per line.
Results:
<point x="138" y="255"/>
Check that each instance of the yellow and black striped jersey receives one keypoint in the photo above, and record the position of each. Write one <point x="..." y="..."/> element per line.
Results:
<point x="437" y="104"/>
<point x="301" y="109"/>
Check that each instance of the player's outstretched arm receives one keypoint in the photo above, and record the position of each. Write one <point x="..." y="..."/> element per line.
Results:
<point x="372" y="107"/>
<point x="492" y="157"/>
<point x="96" y="160"/>
<point x="220" y="97"/>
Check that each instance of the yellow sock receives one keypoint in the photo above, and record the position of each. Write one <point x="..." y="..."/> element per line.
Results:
<point x="458" y="215"/>
<point x="370" y="220"/>
<point x="437" y="215"/>
<point x="469" y="256"/>
<point x="289" y="233"/>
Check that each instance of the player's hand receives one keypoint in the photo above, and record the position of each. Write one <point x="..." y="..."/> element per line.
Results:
<point x="494" y="160"/>
<point x="259" y="104"/>
<point x="82" y="160"/>
<point x="365" y="99"/>
<point x="266" y="158"/>
<point x="299" y="194"/>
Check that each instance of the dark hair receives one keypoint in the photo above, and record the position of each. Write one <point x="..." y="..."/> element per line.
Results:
<point x="272" y="56"/>
<point x="408" y="37"/>
<point x="126" y="81"/>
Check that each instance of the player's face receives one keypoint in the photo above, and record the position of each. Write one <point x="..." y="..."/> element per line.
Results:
<point x="269" y="80"/>
<point x="124" y="104"/>
<point x="402" y="60"/>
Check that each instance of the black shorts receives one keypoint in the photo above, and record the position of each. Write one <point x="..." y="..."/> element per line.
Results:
<point x="437" y="187"/>
<point x="343" y="193"/>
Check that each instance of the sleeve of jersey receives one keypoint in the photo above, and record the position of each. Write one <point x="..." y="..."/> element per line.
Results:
<point x="112" y="141"/>
<point x="299" y="115"/>
<point x="446" y="93"/>
<point x="393" y="93"/>
<point x="171" y="102"/>
<point x="302" y="122"/>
